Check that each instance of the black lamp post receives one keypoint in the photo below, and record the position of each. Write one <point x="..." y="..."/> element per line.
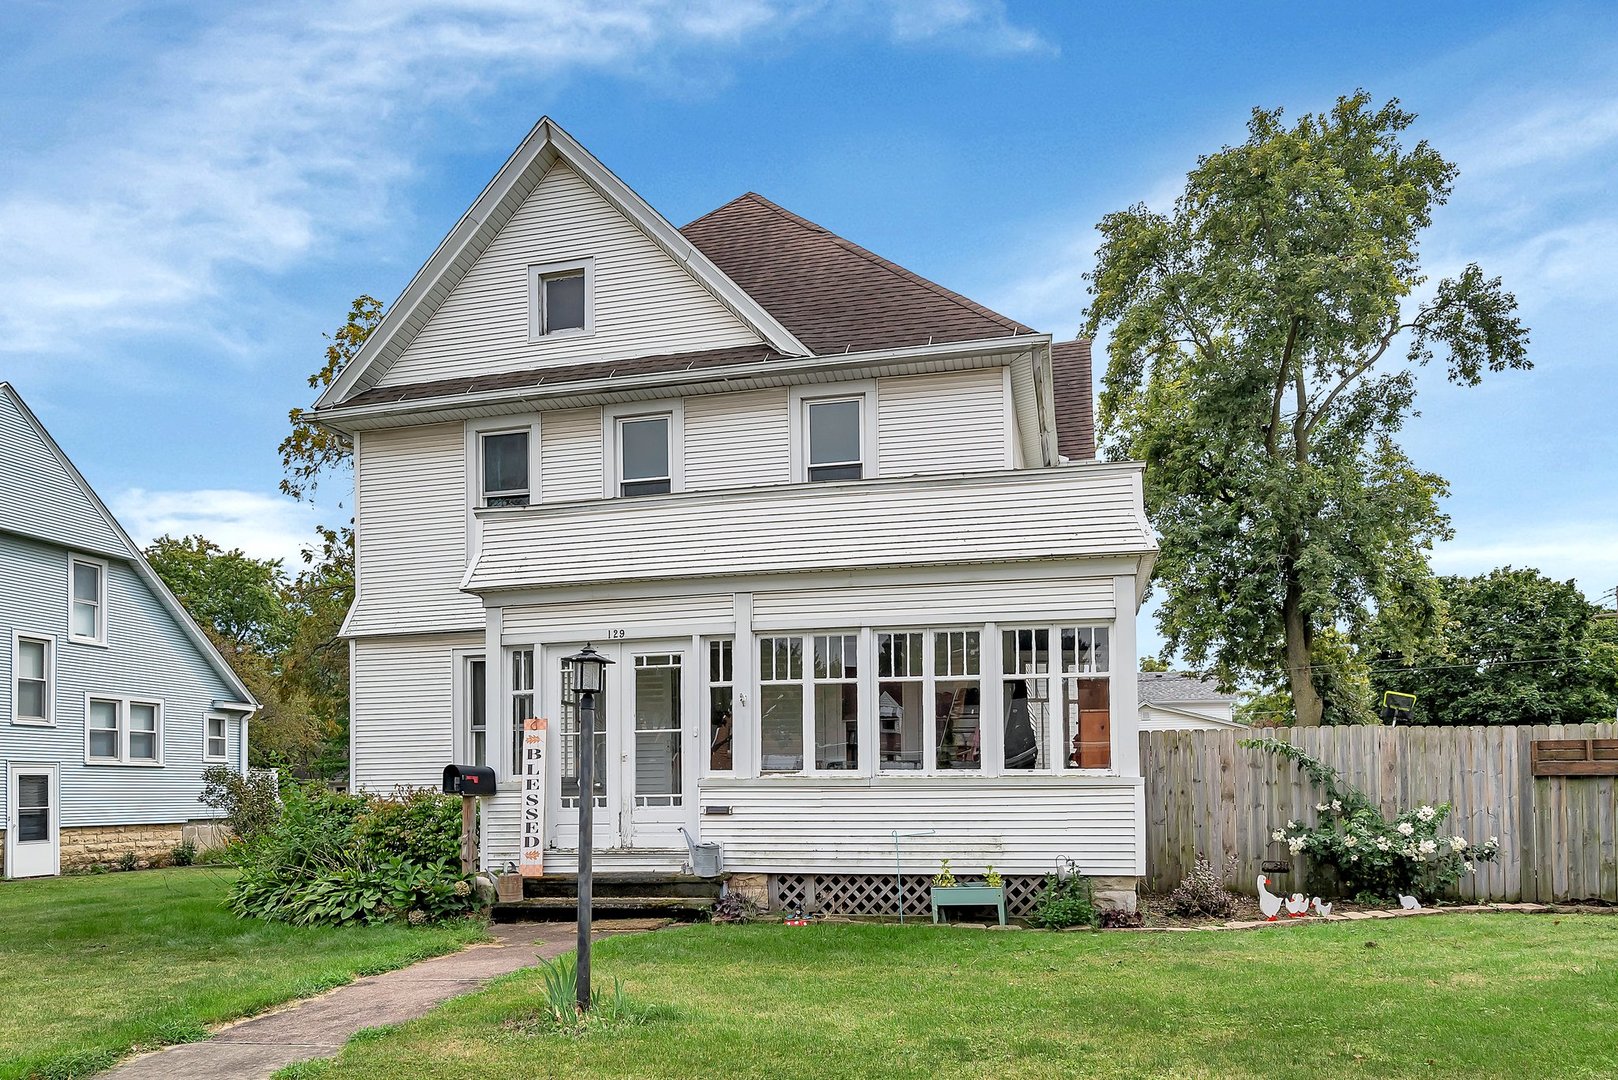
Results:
<point x="589" y="674"/>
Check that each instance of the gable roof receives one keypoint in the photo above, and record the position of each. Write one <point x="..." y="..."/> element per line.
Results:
<point x="14" y="446"/>
<point x="544" y="145"/>
<point x="1075" y="400"/>
<point x="1164" y="687"/>
<point x="834" y="295"/>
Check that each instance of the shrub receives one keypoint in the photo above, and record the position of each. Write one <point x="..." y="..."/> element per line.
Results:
<point x="333" y="858"/>
<point x="129" y="860"/>
<point x="1068" y="901"/>
<point x="735" y="907"/>
<point x="1375" y="859"/>
<point x="1203" y="894"/>
<point x="184" y="853"/>
<point x="251" y="803"/>
<point x="1119" y="919"/>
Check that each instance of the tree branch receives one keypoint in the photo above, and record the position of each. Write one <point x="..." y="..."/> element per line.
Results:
<point x="1281" y="370"/>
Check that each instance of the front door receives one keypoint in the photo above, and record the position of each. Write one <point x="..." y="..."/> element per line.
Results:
<point x="32" y="847"/>
<point x="643" y="770"/>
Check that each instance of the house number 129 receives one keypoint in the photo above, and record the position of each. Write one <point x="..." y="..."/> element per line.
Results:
<point x="615" y="635"/>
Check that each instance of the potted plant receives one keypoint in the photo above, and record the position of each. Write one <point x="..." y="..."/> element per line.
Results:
<point x="948" y="892"/>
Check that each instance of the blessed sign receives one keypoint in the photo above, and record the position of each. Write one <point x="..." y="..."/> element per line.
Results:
<point x="532" y="863"/>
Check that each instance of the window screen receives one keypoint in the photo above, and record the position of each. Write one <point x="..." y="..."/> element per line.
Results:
<point x="564" y="302"/>
<point x="834" y="439"/>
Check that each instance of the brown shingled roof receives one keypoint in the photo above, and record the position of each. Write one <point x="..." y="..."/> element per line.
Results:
<point x="832" y="294"/>
<point x="1075" y="402"/>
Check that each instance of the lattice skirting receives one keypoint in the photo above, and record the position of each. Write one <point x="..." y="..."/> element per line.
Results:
<point x="878" y="894"/>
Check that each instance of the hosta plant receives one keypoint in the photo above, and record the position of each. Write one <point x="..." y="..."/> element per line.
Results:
<point x="1375" y="858"/>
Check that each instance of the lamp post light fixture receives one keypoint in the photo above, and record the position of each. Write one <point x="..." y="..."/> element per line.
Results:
<point x="589" y="670"/>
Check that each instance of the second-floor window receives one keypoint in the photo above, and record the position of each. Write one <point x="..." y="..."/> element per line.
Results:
<point x="834" y="438"/>
<point x="32" y="663"/>
<point x="644" y="455"/>
<point x="505" y="468"/>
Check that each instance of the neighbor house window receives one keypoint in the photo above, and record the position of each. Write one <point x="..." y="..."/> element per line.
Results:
<point x="505" y="467"/>
<point x="721" y="706"/>
<point x="87" y="600"/>
<point x="958" y="734"/>
<point x="559" y="300"/>
<point x="837" y="701"/>
<point x="780" y="704"/>
<point x="123" y="731"/>
<point x="1087" y="711"/>
<point x="214" y="747"/>
<point x="900" y="692"/>
<point x="33" y="663"/>
<point x="834" y="430"/>
<point x="644" y="455"/>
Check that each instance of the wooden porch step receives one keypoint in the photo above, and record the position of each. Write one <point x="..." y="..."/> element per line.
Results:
<point x="566" y="908"/>
<point x="625" y="884"/>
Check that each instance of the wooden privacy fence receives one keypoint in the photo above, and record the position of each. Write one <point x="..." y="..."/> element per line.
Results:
<point x="1558" y="833"/>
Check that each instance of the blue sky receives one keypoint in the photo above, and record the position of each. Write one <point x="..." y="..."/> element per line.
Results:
<point x="190" y="194"/>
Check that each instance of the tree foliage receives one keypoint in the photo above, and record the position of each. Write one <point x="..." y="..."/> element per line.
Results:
<point x="1264" y="342"/>
<point x="1513" y="647"/>
<point x="312" y="452"/>
<point x="236" y="596"/>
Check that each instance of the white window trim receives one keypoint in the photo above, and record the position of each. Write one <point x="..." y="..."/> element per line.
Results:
<point x="537" y="272"/>
<point x="736" y="695"/>
<point x="461" y="708"/>
<point x="475" y="430"/>
<point x="1057" y="748"/>
<point x="799" y="399"/>
<point x="207" y="718"/>
<point x="100" y="637"/>
<point x="49" y="640"/>
<point x="503" y="761"/>
<point x="123" y="704"/>
<point x="612" y="416"/>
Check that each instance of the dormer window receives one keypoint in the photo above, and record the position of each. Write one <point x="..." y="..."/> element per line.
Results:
<point x="505" y="468"/>
<point x="559" y="300"/>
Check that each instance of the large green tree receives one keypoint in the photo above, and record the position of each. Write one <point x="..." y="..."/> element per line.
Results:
<point x="1512" y="647"/>
<point x="1264" y="342"/>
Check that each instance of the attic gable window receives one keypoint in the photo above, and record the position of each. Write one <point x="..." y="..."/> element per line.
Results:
<point x="560" y="300"/>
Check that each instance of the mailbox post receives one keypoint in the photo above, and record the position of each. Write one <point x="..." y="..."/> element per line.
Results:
<point x="470" y="782"/>
<point x="589" y="669"/>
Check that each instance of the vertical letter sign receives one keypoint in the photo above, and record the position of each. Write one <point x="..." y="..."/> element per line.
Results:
<point x="532" y="863"/>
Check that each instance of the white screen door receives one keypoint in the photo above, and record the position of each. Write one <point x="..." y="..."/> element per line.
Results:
<point x="655" y="776"/>
<point x="32" y="834"/>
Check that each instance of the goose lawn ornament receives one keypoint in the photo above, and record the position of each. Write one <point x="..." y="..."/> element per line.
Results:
<point x="1409" y="903"/>
<point x="1297" y="905"/>
<point x="1323" y="910"/>
<point x="1268" y="902"/>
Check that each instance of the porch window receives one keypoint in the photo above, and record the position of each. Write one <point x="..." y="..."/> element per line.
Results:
<point x="1025" y="660"/>
<point x="476" y="704"/>
<point x="900" y="691"/>
<point x="958" y="738"/>
<point x="780" y="701"/>
<point x="567" y="744"/>
<point x="659" y="761"/>
<point x="1087" y="723"/>
<point x="837" y="701"/>
<point x="721" y="706"/>
<point x="521" y="706"/>
<point x="33" y="661"/>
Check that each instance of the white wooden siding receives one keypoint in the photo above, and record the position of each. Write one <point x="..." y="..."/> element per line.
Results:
<point x="401" y="715"/>
<point x="936" y="604"/>
<point x="38" y="496"/>
<point x="571" y="456"/>
<point x="147" y="656"/>
<point x="637" y="616"/>
<point x="1020" y="826"/>
<point x="1025" y="404"/>
<point x="737" y="440"/>
<point x="410" y="488"/>
<point x="645" y="302"/>
<point x="1071" y="512"/>
<point x="944" y="423"/>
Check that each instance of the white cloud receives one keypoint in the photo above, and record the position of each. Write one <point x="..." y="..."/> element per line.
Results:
<point x="263" y="526"/>
<point x="273" y="134"/>
<point x="1586" y="551"/>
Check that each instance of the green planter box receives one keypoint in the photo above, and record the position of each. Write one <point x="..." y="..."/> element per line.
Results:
<point x="969" y="896"/>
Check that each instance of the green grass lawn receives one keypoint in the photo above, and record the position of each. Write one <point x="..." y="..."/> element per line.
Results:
<point x="91" y="967"/>
<point x="1484" y="996"/>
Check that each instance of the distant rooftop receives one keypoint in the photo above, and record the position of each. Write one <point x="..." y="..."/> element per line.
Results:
<point x="1162" y="687"/>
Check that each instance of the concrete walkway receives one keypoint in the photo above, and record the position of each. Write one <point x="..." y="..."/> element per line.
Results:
<point x="319" y="1026"/>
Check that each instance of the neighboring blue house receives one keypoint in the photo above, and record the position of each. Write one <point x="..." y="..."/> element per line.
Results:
<point x="112" y="700"/>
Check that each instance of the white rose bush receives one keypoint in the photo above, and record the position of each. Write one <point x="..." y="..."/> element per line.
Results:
<point x="1374" y="858"/>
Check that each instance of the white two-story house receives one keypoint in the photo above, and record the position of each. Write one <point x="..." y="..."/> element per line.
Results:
<point x="113" y="702"/>
<point x="841" y="530"/>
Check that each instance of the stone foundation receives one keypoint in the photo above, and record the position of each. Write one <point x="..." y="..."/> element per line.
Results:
<point x="91" y="844"/>
<point x="1116" y="893"/>
<point x="755" y="887"/>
